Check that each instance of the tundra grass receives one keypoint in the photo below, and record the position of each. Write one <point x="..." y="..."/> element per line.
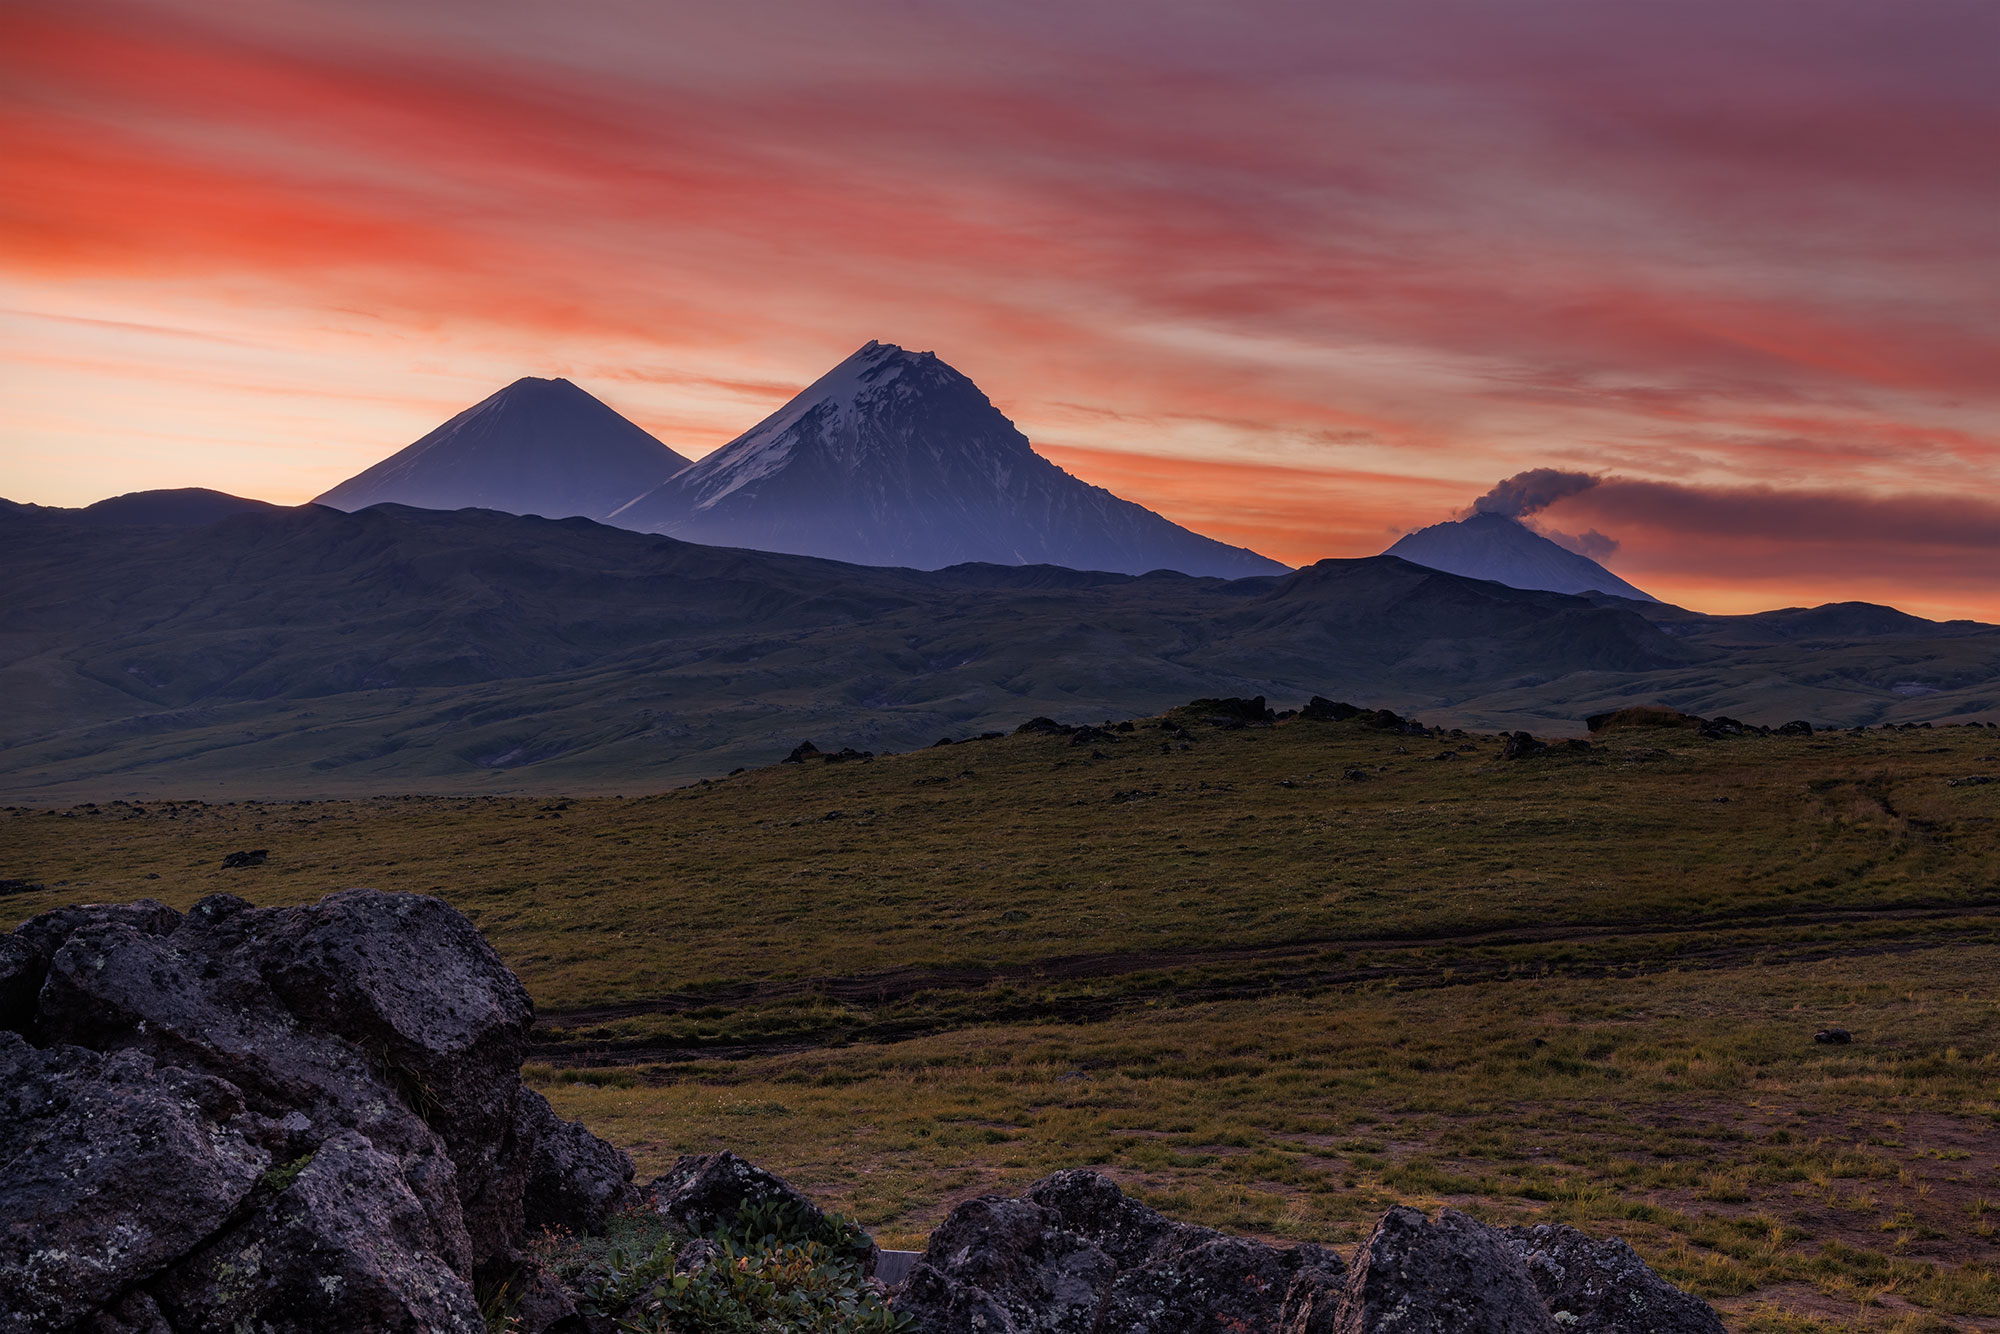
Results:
<point x="1271" y="978"/>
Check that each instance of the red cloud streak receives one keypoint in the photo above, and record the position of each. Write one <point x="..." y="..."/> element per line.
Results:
<point x="1300" y="281"/>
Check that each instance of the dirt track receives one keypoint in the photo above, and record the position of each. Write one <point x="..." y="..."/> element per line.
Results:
<point x="1295" y="968"/>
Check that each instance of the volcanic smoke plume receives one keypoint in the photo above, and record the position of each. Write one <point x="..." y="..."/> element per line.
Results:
<point x="1527" y="492"/>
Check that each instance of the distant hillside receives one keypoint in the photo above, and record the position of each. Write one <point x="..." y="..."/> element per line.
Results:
<point x="895" y="458"/>
<point x="309" y="651"/>
<point x="180" y="507"/>
<point x="1493" y="546"/>
<point x="542" y="447"/>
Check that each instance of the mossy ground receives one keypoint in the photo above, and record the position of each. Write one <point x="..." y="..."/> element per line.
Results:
<point x="1264" y="993"/>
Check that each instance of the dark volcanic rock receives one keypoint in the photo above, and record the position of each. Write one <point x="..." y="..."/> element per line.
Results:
<point x="1520" y="745"/>
<point x="1603" y="1287"/>
<point x="343" y="1245"/>
<point x="110" y="1168"/>
<point x="1326" y="710"/>
<point x="1075" y="1255"/>
<point x="1833" y="1037"/>
<point x="1042" y="727"/>
<point x="574" y="1180"/>
<point x="289" y="1118"/>
<point x="800" y="752"/>
<point x="703" y="1192"/>
<point x="236" y="861"/>
<point x="22" y="968"/>
<point x="1452" y="1276"/>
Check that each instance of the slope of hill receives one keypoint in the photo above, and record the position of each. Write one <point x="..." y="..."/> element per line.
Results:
<point x="542" y="447"/>
<point x="894" y="458"/>
<point x="1493" y="546"/>
<point x="311" y="651"/>
<point x="185" y="506"/>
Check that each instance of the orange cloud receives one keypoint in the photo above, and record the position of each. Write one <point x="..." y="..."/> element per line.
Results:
<point x="1299" y="283"/>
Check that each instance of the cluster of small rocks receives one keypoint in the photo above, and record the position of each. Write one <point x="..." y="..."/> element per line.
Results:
<point x="1074" y="1255"/>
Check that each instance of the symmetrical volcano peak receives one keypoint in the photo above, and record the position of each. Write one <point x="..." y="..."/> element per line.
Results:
<point x="542" y="447"/>
<point x="895" y="458"/>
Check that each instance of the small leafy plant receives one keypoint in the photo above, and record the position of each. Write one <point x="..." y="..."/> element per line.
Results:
<point x="770" y="1270"/>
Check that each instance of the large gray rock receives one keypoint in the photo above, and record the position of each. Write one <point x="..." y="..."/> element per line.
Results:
<point x="343" y="1245"/>
<point x="110" y="1169"/>
<point x="703" y="1192"/>
<point x="1451" y="1276"/>
<point x="574" y="1180"/>
<point x="1076" y="1255"/>
<point x="1603" y="1287"/>
<point x="368" y="1046"/>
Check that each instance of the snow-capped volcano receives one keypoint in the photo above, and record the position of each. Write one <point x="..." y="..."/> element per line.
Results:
<point x="1500" y="548"/>
<point x="894" y="458"/>
<point x="542" y="447"/>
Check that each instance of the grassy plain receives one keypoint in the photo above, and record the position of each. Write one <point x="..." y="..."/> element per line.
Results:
<point x="1271" y="978"/>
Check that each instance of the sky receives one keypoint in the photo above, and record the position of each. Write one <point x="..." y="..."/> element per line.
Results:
<point x="1302" y="276"/>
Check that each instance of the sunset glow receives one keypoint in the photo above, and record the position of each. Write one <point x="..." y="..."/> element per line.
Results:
<point x="1298" y="278"/>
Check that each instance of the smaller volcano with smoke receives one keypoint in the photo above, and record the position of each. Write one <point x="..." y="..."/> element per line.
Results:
<point x="1493" y="543"/>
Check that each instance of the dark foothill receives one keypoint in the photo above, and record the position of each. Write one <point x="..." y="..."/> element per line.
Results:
<point x="1835" y="1037"/>
<point x="1643" y="717"/>
<point x="1223" y="712"/>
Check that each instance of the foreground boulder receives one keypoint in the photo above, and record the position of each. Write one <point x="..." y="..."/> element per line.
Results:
<point x="288" y="1118"/>
<point x="1603" y="1287"/>
<point x="1074" y="1255"/>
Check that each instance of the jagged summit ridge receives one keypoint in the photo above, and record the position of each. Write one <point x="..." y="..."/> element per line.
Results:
<point x="1501" y="548"/>
<point x="894" y="457"/>
<point x="539" y="446"/>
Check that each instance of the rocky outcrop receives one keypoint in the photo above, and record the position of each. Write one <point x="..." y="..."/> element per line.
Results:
<point x="301" y="1118"/>
<point x="1074" y="1255"/>
<point x="1603" y="1287"/>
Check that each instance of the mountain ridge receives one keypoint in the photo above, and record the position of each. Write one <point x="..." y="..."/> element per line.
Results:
<point x="311" y="651"/>
<point x="896" y="458"/>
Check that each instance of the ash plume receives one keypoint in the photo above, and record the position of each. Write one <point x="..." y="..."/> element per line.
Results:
<point x="1529" y="492"/>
